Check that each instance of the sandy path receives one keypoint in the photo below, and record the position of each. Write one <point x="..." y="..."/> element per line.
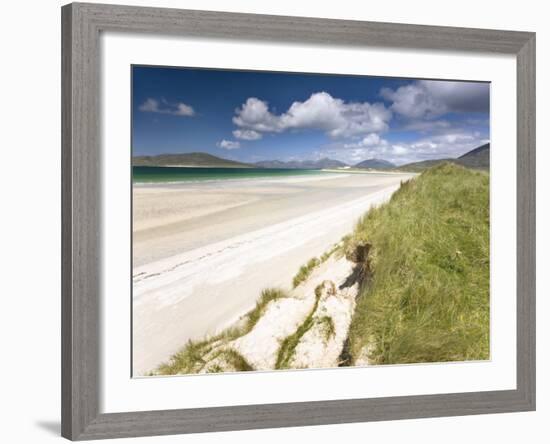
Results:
<point x="227" y="255"/>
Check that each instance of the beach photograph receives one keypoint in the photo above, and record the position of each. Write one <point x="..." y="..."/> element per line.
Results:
<point x="291" y="221"/>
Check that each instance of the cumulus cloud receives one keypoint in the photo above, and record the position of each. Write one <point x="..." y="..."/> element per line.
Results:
<point x="428" y="99"/>
<point x="372" y="140"/>
<point x="247" y="134"/>
<point x="320" y="111"/>
<point x="228" y="144"/>
<point x="439" y="146"/>
<point x="450" y="145"/>
<point x="183" y="110"/>
<point x="175" y="109"/>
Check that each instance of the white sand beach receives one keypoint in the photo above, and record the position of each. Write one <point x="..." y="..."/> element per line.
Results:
<point x="202" y="252"/>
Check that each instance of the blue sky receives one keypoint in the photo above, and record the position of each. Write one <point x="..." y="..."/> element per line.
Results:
<point x="252" y="115"/>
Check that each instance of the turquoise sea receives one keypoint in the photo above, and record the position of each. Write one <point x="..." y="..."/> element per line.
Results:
<point x="150" y="174"/>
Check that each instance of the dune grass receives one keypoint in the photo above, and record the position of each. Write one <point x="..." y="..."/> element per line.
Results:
<point x="194" y="356"/>
<point x="233" y="360"/>
<point x="428" y="298"/>
<point x="329" y="329"/>
<point x="189" y="359"/>
<point x="289" y="344"/>
<point x="305" y="270"/>
<point x="252" y="318"/>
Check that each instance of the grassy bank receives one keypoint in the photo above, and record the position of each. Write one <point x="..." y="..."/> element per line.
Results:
<point x="428" y="297"/>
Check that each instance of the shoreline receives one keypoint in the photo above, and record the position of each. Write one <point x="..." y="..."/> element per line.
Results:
<point x="193" y="166"/>
<point x="365" y="171"/>
<point x="267" y="178"/>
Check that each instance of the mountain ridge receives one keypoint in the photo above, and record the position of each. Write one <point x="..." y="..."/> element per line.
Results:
<point x="195" y="159"/>
<point x="375" y="163"/>
<point x="478" y="158"/>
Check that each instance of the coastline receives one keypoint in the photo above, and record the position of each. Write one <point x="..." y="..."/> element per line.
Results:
<point x="367" y="171"/>
<point x="191" y="174"/>
<point x="196" y="166"/>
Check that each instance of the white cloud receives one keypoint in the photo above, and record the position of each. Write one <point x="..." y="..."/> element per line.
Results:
<point x="439" y="147"/>
<point x="254" y="114"/>
<point x="450" y="145"/>
<point x="247" y="134"/>
<point x="177" y="109"/>
<point x="428" y="99"/>
<point x="183" y="110"/>
<point x="371" y="140"/>
<point x="320" y="111"/>
<point x="229" y="144"/>
<point x="414" y="102"/>
<point x="399" y="150"/>
<point x="150" y="105"/>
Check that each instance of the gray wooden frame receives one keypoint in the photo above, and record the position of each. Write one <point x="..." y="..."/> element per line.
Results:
<point x="81" y="165"/>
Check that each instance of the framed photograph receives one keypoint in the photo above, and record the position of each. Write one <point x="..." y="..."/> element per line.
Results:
<point x="283" y="221"/>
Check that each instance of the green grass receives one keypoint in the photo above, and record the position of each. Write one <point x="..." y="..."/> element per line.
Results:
<point x="289" y="344"/>
<point x="234" y="360"/>
<point x="329" y="329"/>
<point x="188" y="360"/>
<point x="305" y="270"/>
<point x="428" y="298"/>
<point x="254" y="316"/>
<point x="192" y="357"/>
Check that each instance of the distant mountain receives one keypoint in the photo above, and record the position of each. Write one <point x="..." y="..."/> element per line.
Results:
<point x="272" y="164"/>
<point x="477" y="158"/>
<point x="375" y="164"/>
<point x="188" y="159"/>
<point x="423" y="165"/>
<point x="302" y="164"/>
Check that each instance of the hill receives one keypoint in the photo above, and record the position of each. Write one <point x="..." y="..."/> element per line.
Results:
<point x="478" y="158"/>
<point x="189" y="160"/>
<point x="426" y="297"/>
<point x="423" y="165"/>
<point x="301" y="164"/>
<point x="375" y="164"/>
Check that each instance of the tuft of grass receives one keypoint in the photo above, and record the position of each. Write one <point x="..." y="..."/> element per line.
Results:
<point x="215" y="369"/>
<point x="252" y="317"/>
<point x="330" y="252"/>
<point x="329" y="329"/>
<point x="305" y="271"/>
<point x="237" y="361"/>
<point x="187" y="360"/>
<point x="228" y="359"/>
<point x="428" y="298"/>
<point x="289" y="344"/>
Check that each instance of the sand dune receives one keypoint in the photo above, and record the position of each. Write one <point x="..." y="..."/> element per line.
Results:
<point x="201" y="260"/>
